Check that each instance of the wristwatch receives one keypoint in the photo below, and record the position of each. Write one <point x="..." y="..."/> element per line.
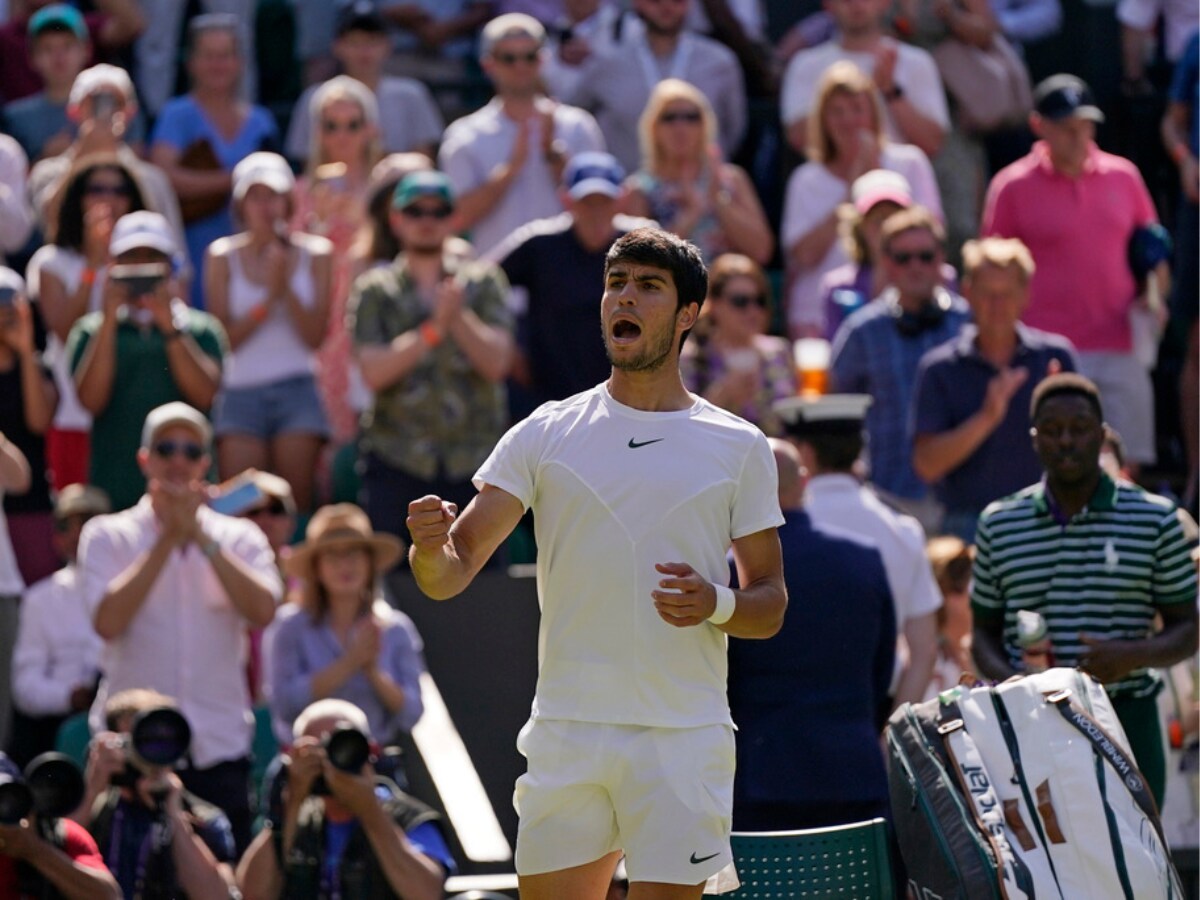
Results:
<point x="895" y="92"/>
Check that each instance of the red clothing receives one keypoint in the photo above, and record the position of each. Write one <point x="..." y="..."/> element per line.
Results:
<point x="77" y="844"/>
<point x="17" y="77"/>
<point x="1077" y="230"/>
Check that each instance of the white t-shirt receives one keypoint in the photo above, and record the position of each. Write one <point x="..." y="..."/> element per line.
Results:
<point x="813" y="192"/>
<point x="11" y="582"/>
<point x="916" y="74"/>
<point x="614" y="491"/>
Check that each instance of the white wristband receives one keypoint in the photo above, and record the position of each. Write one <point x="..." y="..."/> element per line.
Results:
<point x="726" y="605"/>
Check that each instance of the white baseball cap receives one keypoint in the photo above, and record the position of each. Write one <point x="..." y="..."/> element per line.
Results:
<point x="175" y="413"/>
<point x="10" y="280"/>
<point x="143" y="229"/>
<point x="89" y="81"/>
<point x="264" y="168"/>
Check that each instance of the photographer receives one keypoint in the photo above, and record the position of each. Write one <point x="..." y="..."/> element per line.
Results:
<point x="343" y="831"/>
<point x="161" y="841"/>
<point x="58" y="861"/>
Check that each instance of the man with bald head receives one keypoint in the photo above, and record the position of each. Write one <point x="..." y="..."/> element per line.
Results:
<point x="812" y="758"/>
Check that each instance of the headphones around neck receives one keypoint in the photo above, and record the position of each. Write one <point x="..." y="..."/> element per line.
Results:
<point x="929" y="316"/>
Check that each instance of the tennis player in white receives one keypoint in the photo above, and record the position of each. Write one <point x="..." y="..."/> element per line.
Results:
<point x="638" y="489"/>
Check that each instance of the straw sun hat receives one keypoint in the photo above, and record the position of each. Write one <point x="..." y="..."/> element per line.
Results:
<point x="342" y="525"/>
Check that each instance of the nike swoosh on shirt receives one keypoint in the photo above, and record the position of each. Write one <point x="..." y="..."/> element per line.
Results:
<point x="696" y="860"/>
<point x="633" y="445"/>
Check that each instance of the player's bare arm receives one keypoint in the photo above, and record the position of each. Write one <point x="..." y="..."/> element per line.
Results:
<point x="448" y="548"/>
<point x="685" y="599"/>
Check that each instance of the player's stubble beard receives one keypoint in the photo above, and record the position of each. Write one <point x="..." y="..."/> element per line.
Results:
<point x="654" y="354"/>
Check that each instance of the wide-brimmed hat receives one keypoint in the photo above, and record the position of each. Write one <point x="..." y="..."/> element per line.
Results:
<point x="342" y="525"/>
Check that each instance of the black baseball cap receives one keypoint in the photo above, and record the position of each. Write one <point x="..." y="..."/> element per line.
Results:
<point x="1065" y="96"/>
<point x="360" y="15"/>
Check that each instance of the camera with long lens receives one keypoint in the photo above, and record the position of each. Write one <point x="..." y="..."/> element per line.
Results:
<point x="347" y="750"/>
<point x="51" y="786"/>
<point x="158" y="739"/>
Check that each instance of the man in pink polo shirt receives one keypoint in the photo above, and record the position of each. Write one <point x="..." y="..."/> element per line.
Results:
<point x="1075" y="207"/>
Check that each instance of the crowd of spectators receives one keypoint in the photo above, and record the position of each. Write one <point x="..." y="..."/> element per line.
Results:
<point x="272" y="269"/>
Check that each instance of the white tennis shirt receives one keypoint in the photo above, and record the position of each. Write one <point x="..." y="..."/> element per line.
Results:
<point x="615" y="490"/>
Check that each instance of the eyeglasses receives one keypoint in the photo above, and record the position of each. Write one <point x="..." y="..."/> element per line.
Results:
<point x="106" y="190"/>
<point x="354" y="126"/>
<point x="741" y="301"/>
<point x="167" y="449"/>
<point x="903" y="258"/>
<point x="274" y="508"/>
<point x="509" y="59"/>
<point x="427" y="212"/>
<point x="693" y="117"/>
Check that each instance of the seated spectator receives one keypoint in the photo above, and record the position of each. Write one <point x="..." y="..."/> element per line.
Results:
<point x="269" y="287"/>
<point x="16" y="215"/>
<point x="107" y="31"/>
<point x="201" y="136"/>
<point x="160" y="840"/>
<point x="731" y="360"/>
<point x="27" y="402"/>
<point x="951" y="560"/>
<point x="506" y="160"/>
<point x="331" y="200"/>
<point x="808" y="702"/>
<point x="56" y="663"/>
<point x="343" y="833"/>
<point x="66" y="863"/>
<point x="361" y="48"/>
<point x="120" y="353"/>
<point x="970" y="405"/>
<point x="344" y="641"/>
<point x="877" y="351"/>
<point x="683" y="184"/>
<point x="172" y="586"/>
<point x="846" y="140"/>
<point x="102" y="107"/>
<point x="66" y="280"/>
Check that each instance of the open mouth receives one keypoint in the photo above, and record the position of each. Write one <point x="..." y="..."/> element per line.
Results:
<point x="625" y="331"/>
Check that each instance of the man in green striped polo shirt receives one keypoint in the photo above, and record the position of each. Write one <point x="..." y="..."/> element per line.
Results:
<point x="1098" y="559"/>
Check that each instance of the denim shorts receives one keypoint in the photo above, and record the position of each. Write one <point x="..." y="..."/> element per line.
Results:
<point x="264" y="411"/>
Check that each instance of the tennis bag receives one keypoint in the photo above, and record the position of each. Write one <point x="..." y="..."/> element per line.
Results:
<point x="1024" y="790"/>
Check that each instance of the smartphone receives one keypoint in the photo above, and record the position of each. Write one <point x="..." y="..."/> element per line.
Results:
<point x="142" y="279"/>
<point x="237" y="499"/>
<point x="332" y="175"/>
<point x="104" y="105"/>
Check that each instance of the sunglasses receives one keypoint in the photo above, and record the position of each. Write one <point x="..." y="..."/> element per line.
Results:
<point x="427" y="212"/>
<point x="106" y="190"/>
<point x="903" y="258"/>
<point x="167" y="449"/>
<point x="691" y="118"/>
<point x="741" y="301"/>
<point x="509" y="59"/>
<point x="274" y="508"/>
<point x="353" y="126"/>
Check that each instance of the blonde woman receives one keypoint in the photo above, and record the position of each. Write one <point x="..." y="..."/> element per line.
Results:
<point x="685" y="186"/>
<point x="331" y="200"/>
<point x="845" y="141"/>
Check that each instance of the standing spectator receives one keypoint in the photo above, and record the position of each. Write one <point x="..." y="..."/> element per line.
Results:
<point x="66" y="280"/>
<point x="683" y="184"/>
<point x="345" y="641"/>
<point x="616" y="86"/>
<point x="877" y="349"/>
<point x="171" y="586"/>
<point x="970" y="419"/>
<point x="951" y="560"/>
<point x="269" y="287"/>
<point x="109" y="29"/>
<point x="506" y="160"/>
<point x="102" y="107"/>
<point x="331" y="200"/>
<point x="585" y="29"/>
<point x="828" y="432"/>
<point x="731" y="361"/>
<point x="362" y="45"/>
<point x="27" y="402"/>
<point x="557" y="262"/>
<point x="808" y="701"/>
<point x="201" y="136"/>
<point x="1181" y="135"/>
<point x="16" y="215"/>
<point x="56" y="663"/>
<point x="1083" y="288"/>
<point x="845" y="142"/>
<point x="905" y="76"/>
<point x="1099" y="559"/>
<point x="142" y="332"/>
<point x="434" y="339"/>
